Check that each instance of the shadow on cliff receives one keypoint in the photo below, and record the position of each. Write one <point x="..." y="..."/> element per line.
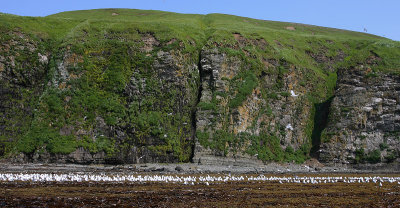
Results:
<point x="320" y="122"/>
<point x="194" y="109"/>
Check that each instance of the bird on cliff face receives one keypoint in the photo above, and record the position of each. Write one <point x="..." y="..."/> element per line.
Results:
<point x="293" y="94"/>
<point x="289" y="126"/>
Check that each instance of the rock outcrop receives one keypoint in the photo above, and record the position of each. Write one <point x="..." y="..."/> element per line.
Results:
<point x="364" y="119"/>
<point x="234" y="129"/>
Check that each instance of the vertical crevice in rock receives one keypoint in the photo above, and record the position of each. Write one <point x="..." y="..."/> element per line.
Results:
<point x="320" y="123"/>
<point x="194" y="109"/>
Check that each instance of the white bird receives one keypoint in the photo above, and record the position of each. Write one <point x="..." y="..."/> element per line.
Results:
<point x="293" y="94"/>
<point x="289" y="126"/>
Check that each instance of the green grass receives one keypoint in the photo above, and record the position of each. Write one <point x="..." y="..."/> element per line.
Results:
<point x="246" y="83"/>
<point x="202" y="29"/>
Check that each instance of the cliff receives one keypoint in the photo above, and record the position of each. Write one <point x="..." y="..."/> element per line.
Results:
<point x="134" y="86"/>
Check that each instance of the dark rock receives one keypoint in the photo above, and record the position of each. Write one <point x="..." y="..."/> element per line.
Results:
<point x="178" y="168"/>
<point x="158" y="169"/>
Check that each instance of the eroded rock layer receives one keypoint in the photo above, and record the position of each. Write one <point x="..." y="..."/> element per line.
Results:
<point x="364" y="119"/>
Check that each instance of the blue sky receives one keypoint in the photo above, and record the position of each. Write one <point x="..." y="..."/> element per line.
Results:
<point x="378" y="17"/>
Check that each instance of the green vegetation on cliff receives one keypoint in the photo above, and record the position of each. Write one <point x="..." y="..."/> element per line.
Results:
<point x="125" y="82"/>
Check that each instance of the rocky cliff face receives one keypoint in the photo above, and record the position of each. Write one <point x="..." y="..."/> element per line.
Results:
<point x="146" y="119"/>
<point x="193" y="90"/>
<point x="242" y="118"/>
<point x="364" y="121"/>
<point x="93" y="109"/>
<point x="23" y="63"/>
